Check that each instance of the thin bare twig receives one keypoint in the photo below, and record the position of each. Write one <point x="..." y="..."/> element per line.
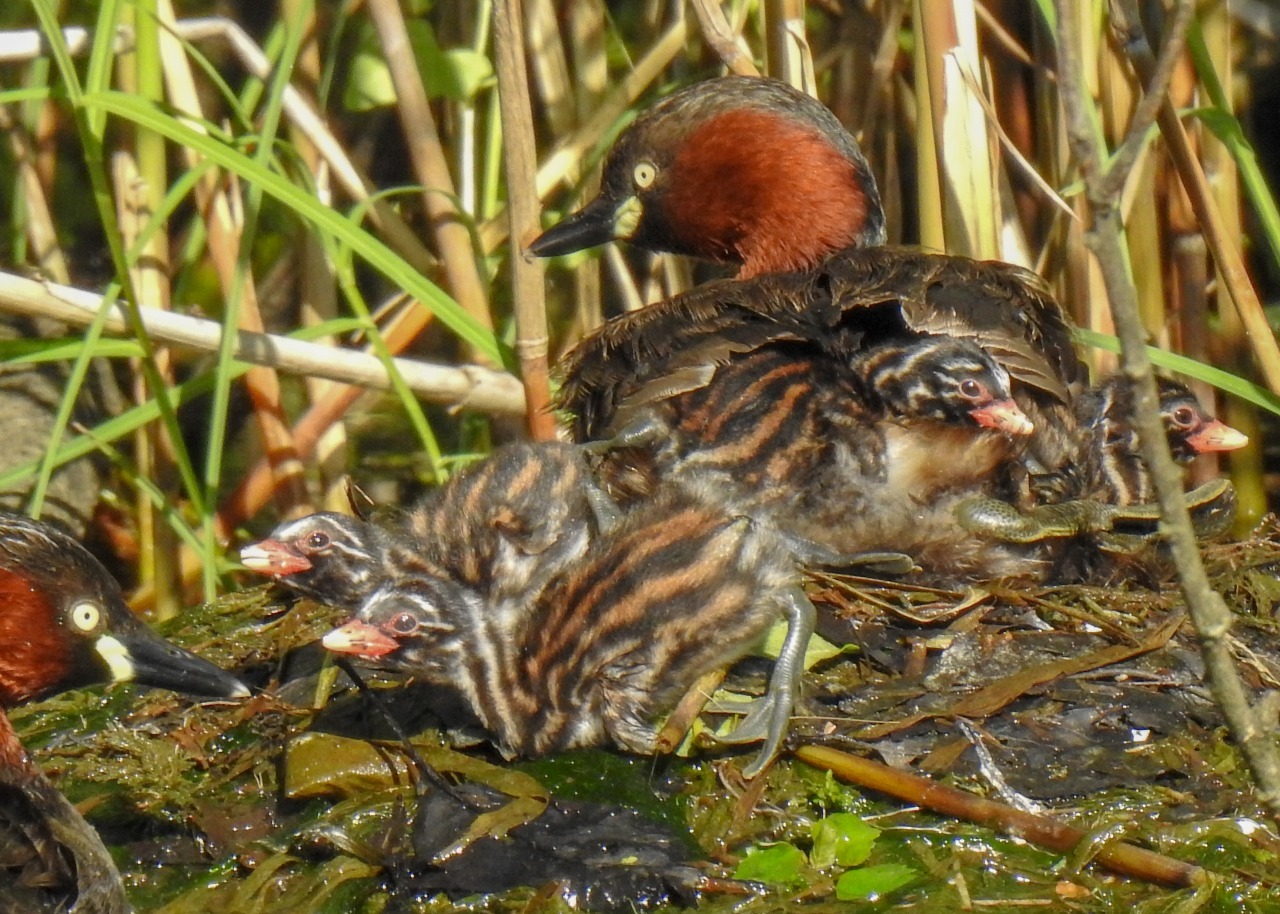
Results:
<point x="469" y="386"/>
<point x="1044" y="831"/>
<point x="1157" y="77"/>
<point x="1225" y="249"/>
<point x="1209" y="613"/>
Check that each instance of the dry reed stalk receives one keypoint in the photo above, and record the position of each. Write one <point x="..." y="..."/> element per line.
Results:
<point x="929" y="206"/>
<point x="566" y="157"/>
<point x="1085" y="286"/>
<point x="151" y="456"/>
<point x="431" y="166"/>
<point x="878" y="86"/>
<point x="1116" y="856"/>
<point x="722" y="38"/>
<point x="317" y="285"/>
<point x="522" y="208"/>
<point x="586" y="43"/>
<point x="964" y="165"/>
<point x="1183" y="324"/>
<point x="41" y="234"/>
<point x="1230" y="346"/>
<point x="1142" y="222"/>
<point x="223" y="225"/>
<point x="140" y="185"/>
<point x="599" y="111"/>
<point x="1226" y="252"/>
<point x="549" y="66"/>
<point x="786" y="48"/>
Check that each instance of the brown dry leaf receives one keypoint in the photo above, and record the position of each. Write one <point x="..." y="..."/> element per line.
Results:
<point x="991" y="699"/>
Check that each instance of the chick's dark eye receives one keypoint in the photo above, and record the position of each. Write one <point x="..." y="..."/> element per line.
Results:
<point x="317" y="540"/>
<point x="1184" y="417"/>
<point x="971" y="388"/>
<point x="404" y="624"/>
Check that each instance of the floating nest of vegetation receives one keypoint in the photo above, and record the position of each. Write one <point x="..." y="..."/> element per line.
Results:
<point x="1085" y="704"/>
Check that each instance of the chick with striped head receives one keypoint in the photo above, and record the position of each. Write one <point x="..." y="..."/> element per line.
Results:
<point x="678" y="589"/>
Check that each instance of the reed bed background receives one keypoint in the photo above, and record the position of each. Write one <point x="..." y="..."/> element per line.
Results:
<point x="255" y="250"/>
<point x="347" y="175"/>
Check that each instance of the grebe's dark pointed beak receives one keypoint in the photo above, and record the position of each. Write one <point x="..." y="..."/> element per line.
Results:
<point x="600" y="221"/>
<point x="1215" y="435"/>
<point x="134" y="653"/>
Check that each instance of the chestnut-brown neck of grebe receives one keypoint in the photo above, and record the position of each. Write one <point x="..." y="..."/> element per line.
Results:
<point x="736" y="170"/>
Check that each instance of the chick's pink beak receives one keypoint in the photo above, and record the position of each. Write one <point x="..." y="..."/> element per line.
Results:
<point x="273" y="557"/>
<point x="361" y="639"/>
<point x="1005" y="416"/>
<point x="1217" y="436"/>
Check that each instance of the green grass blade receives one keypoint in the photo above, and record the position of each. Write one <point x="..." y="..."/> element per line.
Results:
<point x="90" y="125"/>
<point x="75" y="381"/>
<point x="115" y="428"/>
<point x="63" y="349"/>
<point x="379" y="256"/>
<point x="1223" y="380"/>
<point x="1226" y="127"/>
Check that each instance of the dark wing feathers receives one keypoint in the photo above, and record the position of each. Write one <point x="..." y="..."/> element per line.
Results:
<point x="1006" y="309"/>
<point x="858" y="294"/>
<point x="675" y="343"/>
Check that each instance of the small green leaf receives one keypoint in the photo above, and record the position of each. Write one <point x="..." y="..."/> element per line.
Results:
<point x="456" y="73"/>
<point x="817" y="650"/>
<point x="777" y="864"/>
<point x="469" y="72"/>
<point x="368" y="83"/>
<point x="842" y="838"/>
<point x="872" y="882"/>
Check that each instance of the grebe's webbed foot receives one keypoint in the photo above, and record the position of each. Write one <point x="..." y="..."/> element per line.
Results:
<point x="770" y="716"/>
